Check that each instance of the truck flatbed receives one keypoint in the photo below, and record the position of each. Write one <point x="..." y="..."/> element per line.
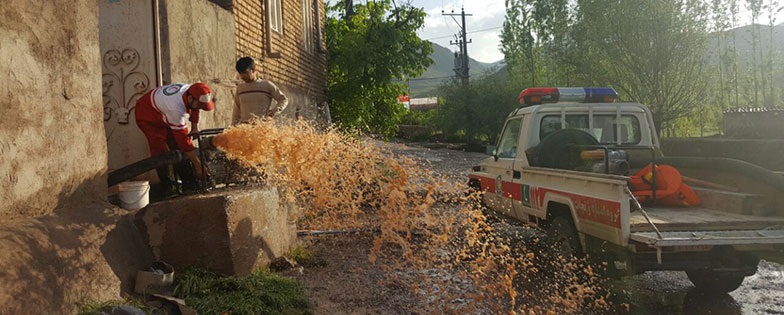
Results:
<point x="704" y="219"/>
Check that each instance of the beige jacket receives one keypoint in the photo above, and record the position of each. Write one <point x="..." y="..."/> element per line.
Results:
<point x="255" y="99"/>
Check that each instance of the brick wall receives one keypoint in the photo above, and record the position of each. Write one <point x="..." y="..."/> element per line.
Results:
<point x="754" y="123"/>
<point x="249" y="30"/>
<point x="299" y="72"/>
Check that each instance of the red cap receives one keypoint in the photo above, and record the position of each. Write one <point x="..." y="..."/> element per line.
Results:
<point x="202" y="92"/>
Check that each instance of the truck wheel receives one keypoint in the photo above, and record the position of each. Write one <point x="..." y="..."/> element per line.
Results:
<point x="715" y="281"/>
<point x="474" y="188"/>
<point x="563" y="237"/>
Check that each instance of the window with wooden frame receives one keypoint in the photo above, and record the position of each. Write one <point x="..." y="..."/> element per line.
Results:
<point x="308" y="36"/>
<point x="274" y="24"/>
<point x="275" y="15"/>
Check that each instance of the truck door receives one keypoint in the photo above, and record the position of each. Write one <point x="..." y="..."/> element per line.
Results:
<point x="501" y="168"/>
<point x="520" y="188"/>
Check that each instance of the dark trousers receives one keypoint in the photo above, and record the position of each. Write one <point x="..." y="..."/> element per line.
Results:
<point x="183" y="171"/>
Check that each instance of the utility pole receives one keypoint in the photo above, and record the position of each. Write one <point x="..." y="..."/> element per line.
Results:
<point x="349" y="9"/>
<point x="461" y="58"/>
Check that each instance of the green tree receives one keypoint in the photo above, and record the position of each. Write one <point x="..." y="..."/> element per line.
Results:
<point x="757" y="79"/>
<point x="535" y="42"/>
<point x="719" y="74"/>
<point x="774" y="7"/>
<point x="652" y="51"/>
<point x="730" y="59"/>
<point x="476" y="113"/>
<point x="371" y="50"/>
<point x="518" y="42"/>
<point x="686" y="59"/>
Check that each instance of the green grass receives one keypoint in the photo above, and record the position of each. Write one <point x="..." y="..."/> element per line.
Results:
<point x="302" y="255"/>
<point x="258" y="294"/>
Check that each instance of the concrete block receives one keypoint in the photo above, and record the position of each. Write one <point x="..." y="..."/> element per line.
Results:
<point x="231" y="232"/>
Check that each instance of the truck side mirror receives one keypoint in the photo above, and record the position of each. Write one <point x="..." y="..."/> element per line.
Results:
<point x="490" y="149"/>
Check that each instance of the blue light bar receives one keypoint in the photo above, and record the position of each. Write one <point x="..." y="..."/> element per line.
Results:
<point x="600" y="95"/>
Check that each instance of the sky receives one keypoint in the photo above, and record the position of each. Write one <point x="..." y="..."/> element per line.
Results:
<point x="484" y="26"/>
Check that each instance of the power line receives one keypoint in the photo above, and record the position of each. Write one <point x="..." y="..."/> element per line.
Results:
<point x="477" y="31"/>
<point x="423" y="79"/>
<point x="433" y="78"/>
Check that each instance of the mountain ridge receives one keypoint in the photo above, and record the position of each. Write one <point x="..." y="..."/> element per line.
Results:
<point x="442" y="70"/>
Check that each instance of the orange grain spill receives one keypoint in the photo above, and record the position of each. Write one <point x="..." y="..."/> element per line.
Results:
<point x="431" y="231"/>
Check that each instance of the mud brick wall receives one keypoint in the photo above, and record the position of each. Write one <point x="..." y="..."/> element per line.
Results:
<point x="199" y="43"/>
<point x="51" y="113"/>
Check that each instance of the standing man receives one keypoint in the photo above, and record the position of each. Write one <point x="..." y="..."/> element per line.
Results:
<point x="254" y="96"/>
<point x="163" y="114"/>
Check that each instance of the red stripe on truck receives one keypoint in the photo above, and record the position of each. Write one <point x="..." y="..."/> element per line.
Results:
<point x="512" y="190"/>
<point x="601" y="211"/>
<point x="587" y="208"/>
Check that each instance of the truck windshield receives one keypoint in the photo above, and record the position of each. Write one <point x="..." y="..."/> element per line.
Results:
<point x="605" y="128"/>
<point x="507" y="147"/>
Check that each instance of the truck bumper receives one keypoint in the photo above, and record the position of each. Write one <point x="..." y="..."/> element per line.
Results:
<point x="677" y="244"/>
<point x="720" y="258"/>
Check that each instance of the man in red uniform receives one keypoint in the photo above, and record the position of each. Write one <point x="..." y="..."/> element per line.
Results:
<point x="163" y="114"/>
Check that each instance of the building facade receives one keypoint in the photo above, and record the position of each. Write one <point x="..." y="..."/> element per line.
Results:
<point x="147" y="43"/>
<point x="76" y="70"/>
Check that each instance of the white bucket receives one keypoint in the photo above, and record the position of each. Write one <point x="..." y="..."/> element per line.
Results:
<point x="134" y="195"/>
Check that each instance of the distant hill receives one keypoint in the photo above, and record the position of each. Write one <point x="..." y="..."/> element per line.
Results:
<point x="743" y="39"/>
<point x="442" y="70"/>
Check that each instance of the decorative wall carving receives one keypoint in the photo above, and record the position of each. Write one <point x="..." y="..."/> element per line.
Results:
<point x="123" y="84"/>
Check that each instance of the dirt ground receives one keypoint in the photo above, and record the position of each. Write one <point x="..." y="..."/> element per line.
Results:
<point x="341" y="280"/>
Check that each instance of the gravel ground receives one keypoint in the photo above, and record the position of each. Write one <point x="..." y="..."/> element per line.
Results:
<point x="342" y="281"/>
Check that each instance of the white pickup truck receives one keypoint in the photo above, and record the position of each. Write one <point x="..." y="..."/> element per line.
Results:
<point x="544" y="172"/>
